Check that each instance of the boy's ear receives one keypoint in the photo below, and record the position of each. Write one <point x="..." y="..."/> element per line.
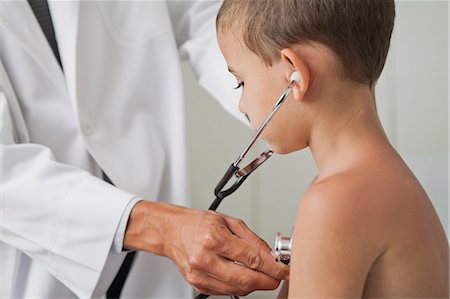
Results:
<point x="295" y="62"/>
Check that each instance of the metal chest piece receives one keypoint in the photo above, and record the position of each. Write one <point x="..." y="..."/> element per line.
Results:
<point x="282" y="249"/>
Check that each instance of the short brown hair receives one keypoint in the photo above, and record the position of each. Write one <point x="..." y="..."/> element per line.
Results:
<point x="357" y="31"/>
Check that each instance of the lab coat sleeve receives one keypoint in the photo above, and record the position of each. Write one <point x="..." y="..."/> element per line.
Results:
<point x="195" y="29"/>
<point x="122" y="227"/>
<point x="58" y="215"/>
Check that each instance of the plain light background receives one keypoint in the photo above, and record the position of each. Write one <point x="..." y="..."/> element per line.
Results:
<point x="412" y="101"/>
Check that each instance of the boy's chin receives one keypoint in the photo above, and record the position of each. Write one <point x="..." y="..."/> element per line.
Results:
<point x="284" y="149"/>
<point x="281" y="150"/>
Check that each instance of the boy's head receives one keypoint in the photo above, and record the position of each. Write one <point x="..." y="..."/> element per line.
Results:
<point x="327" y="41"/>
<point x="358" y="32"/>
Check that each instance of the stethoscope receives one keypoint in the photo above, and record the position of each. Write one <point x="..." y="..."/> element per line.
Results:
<point x="282" y="244"/>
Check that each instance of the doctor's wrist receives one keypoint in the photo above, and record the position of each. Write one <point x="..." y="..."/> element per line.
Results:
<point x="140" y="233"/>
<point x="150" y="226"/>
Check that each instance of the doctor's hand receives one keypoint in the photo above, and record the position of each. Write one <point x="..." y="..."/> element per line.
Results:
<point x="217" y="254"/>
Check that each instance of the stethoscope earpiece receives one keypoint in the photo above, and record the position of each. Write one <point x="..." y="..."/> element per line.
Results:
<point x="295" y="76"/>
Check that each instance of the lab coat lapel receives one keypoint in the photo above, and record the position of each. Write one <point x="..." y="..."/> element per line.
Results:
<point x="65" y="17"/>
<point x="28" y="32"/>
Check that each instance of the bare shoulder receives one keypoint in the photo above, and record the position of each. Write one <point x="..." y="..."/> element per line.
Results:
<point x="369" y="199"/>
<point x="340" y="193"/>
<point x="371" y="205"/>
<point x="357" y="228"/>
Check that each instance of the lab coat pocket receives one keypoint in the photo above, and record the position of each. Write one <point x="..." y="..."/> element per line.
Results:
<point x="132" y="23"/>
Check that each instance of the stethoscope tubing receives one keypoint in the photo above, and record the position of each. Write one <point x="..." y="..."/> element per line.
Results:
<point x="234" y="168"/>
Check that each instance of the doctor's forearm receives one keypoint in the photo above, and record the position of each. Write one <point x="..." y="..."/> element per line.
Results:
<point x="149" y="227"/>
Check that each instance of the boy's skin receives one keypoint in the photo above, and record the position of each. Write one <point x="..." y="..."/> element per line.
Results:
<point x="365" y="227"/>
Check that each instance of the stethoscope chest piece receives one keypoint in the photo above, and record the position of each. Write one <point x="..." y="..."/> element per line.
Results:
<point x="282" y="249"/>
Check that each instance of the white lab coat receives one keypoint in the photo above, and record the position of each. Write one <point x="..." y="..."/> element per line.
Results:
<point x="118" y="106"/>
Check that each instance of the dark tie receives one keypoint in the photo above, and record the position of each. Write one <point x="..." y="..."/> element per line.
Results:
<point x="42" y="13"/>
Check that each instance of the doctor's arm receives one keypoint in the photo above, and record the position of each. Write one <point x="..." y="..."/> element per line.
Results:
<point x="53" y="212"/>
<point x="194" y="23"/>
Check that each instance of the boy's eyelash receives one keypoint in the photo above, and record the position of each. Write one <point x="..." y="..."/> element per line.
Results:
<point x="240" y="84"/>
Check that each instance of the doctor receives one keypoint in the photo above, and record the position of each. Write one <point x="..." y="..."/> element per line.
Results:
<point x="101" y="99"/>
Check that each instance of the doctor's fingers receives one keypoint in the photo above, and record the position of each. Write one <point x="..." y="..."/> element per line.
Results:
<point x="209" y="285"/>
<point x="222" y="276"/>
<point x="205" y="284"/>
<point x="253" y="257"/>
<point x="240" y="229"/>
<point x="242" y="277"/>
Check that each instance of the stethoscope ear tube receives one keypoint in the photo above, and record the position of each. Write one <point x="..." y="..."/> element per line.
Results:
<point x="226" y="177"/>
<point x="221" y="194"/>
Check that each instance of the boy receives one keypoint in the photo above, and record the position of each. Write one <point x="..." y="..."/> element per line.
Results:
<point x="365" y="227"/>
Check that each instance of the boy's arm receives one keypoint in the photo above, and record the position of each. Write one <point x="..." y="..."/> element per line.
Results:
<point x="333" y="244"/>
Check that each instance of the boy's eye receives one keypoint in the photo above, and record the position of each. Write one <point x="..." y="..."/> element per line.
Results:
<point x="240" y="84"/>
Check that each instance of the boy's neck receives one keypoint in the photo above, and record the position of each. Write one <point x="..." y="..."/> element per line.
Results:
<point x="346" y="130"/>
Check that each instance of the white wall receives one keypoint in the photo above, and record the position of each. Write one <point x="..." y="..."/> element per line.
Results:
<point x="412" y="97"/>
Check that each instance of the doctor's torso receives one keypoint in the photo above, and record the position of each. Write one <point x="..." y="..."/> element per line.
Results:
<point x="113" y="99"/>
<point x="115" y="105"/>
